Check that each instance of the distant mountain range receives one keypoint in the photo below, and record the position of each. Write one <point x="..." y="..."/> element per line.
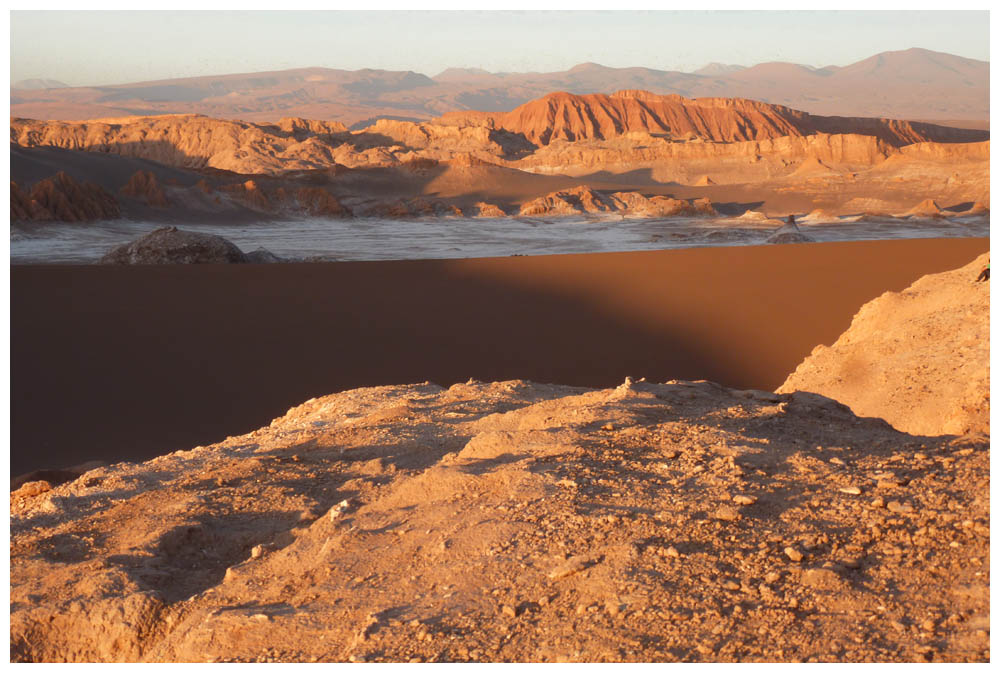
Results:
<point x="915" y="84"/>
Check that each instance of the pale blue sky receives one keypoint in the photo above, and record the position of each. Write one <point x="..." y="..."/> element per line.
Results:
<point x="110" y="47"/>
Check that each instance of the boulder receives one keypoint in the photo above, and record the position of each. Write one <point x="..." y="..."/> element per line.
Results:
<point x="170" y="245"/>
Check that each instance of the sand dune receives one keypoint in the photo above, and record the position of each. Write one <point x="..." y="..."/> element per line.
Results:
<point x="219" y="350"/>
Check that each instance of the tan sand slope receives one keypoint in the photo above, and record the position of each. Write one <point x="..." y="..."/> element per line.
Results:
<point x="917" y="358"/>
<point x="518" y="522"/>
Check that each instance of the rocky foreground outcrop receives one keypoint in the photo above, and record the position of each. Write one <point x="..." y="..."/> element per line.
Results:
<point x="918" y="358"/>
<point x="519" y="522"/>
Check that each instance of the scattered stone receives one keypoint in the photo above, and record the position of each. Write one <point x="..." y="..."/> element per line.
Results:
<point x="509" y="611"/>
<point x="793" y="554"/>
<point x="744" y="499"/>
<point x="726" y="513"/>
<point x="851" y="490"/>
<point x="31" y="489"/>
<point x="900" y="508"/>
<point x="569" y="567"/>
<point x="822" y="578"/>
<point x="672" y="551"/>
<point x="337" y="510"/>
<point x="257" y="551"/>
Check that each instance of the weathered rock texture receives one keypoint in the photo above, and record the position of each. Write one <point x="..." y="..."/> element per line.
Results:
<point x="917" y="358"/>
<point x="170" y="245"/>
<point x="519" y="522"/>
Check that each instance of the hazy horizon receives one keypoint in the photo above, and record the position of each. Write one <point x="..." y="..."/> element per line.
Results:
<point x="94" y="48"/>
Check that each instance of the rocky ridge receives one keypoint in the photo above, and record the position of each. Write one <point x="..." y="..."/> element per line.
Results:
<point x="318" y="168"/>
<point x="565" y="116"/>
<point x="611" y="134"/>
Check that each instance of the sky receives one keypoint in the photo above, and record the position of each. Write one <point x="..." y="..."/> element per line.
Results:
<point x="114" y="47"/>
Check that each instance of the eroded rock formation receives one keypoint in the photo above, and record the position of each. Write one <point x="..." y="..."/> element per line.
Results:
<point x="564" y="116"/>
<point x="145" y="186"/>
<point x="61" y="198"/>
<point x="917" y="358"/>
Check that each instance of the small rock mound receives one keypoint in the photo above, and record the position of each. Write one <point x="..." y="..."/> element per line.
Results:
<point x="819" y="215"/>
<point x="926" y="208"/>
<point x="483" y="209"/>
<point x="170" y="245"/>
<point x="789" y="233"/>
<point x="917" y="358"/>
<point x="570" y="202"/>
<point x="251" y="194"/>
<point x="144" y="185"/>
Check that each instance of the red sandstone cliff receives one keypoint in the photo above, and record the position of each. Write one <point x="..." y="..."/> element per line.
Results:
<point x="564" y="116"/>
